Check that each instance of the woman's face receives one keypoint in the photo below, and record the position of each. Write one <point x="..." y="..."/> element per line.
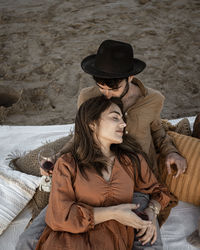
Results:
<point x="111" y="125"/>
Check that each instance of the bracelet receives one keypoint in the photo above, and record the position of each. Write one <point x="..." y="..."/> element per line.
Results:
<point x="154" y="208"/>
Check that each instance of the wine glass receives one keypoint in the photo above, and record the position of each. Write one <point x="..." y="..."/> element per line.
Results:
<point x="47" y="159"/>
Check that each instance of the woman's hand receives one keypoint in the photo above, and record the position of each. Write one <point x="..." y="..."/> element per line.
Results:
<point x="43" y="172"/>
<point x="149" y="233"/>
<point x="125" y="215"/>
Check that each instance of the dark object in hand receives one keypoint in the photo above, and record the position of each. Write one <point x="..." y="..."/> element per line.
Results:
<point x="47" y="166"/>
<point x="142" y="215"/>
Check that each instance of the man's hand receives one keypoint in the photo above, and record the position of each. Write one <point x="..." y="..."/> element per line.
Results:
<point x="178" y="160"/>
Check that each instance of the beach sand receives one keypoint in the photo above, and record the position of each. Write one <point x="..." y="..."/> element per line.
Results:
<point x="43" y="42"/>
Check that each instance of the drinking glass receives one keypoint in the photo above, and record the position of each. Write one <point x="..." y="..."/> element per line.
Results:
<point x="47" y="159"/>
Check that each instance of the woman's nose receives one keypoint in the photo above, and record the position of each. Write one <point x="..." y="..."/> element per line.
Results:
<point x="123" y="125"/>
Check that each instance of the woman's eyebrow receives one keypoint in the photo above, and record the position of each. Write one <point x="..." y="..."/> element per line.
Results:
<point x="116" y="112"/>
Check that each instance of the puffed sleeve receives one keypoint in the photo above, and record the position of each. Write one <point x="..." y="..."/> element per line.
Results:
<point x="64" y="213"/>
<point x="151" y="186"/>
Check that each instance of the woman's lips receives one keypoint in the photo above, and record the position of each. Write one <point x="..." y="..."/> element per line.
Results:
<point x="120" y="132"/>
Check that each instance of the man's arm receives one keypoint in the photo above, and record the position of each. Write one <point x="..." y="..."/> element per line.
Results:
<point x="166" y="147"/>
<point x="162" y="141"/>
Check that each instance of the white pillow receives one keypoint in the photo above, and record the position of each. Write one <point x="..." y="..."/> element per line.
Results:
<point x="16" y="190"/>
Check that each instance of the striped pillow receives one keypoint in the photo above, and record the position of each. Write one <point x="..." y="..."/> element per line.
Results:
<point x="16" y="190"/>
<point x="187" y="186"/>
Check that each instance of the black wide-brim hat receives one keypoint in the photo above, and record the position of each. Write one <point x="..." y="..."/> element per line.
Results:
<point x="114" y="59"/>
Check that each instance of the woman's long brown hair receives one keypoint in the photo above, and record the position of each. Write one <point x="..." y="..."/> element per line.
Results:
<point x="87" y="153"/>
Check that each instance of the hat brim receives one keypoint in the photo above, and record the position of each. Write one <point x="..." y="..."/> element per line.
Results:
<point x="88" y="65"/>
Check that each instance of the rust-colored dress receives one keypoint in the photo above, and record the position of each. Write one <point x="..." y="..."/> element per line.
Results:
<point x="69" y="218"/>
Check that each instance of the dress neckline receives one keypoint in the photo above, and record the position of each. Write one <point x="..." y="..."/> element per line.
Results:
<point x="111" y="174"/>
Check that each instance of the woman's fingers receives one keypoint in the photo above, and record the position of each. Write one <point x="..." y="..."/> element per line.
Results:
<point x="154" y="238"/>
<point x="150" y="235"/>
<point x="147" y="236"/>
<point x="146" y="239"/>
<point x="43" y="172"/>
<point x="125" y="214"/>
<point x="141" y="224"/>
<point x="141" y="232"/>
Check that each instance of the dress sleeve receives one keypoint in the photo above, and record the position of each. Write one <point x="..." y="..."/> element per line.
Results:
<point x="64" y="213"/>
<point x="151" y="186"/>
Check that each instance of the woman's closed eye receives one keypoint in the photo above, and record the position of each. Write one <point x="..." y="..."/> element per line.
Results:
<point x="115" y="118"/>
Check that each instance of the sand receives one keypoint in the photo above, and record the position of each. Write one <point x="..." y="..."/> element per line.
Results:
<point x="43" y="42"/>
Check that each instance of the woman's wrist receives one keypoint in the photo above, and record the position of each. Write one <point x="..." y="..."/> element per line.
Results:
<point x="102" y="214"/>
<point x="115" y="212"/>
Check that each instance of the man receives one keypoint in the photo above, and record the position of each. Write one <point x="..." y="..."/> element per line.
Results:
<point x="114" y="68"/>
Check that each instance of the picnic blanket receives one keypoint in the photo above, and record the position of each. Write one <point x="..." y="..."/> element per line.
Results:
<point x="181" y="222"/>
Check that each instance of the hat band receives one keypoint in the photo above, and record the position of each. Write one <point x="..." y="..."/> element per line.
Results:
<point x="115" y="67"/>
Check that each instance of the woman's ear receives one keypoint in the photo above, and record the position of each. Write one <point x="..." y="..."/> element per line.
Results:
<point x="92" y="126"/>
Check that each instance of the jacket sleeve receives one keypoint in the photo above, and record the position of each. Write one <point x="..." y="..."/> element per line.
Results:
<point x="162" y="141"/>
<point x="64" y="213"/>
<point x="151" y="186"/>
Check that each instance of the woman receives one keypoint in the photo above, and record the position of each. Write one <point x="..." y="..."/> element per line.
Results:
<point x="90" y="204"/>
